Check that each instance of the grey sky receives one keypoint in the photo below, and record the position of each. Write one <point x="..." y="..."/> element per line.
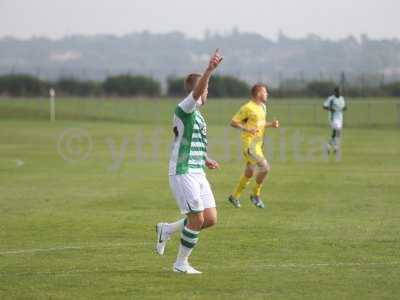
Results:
<point x="297" y="18"/>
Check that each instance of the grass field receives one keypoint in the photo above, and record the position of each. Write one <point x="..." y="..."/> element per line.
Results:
<point x="79" y="199"/>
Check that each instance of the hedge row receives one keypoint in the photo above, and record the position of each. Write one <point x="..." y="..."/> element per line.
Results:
<point x="122" y="85"/>
<point x="131" y="86"/>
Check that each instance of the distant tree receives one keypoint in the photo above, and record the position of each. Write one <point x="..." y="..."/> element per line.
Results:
<point x="392" y="89"/>
<point x="291" y="87"/>
<point x="219" y="87"/>
<point x="320" y="88"/>
<point x="228" y="86"/>
<point x="22" y="85"/>
<point x="127" y="85"/>
<point x="247" y="51"/>
<point x="175" y="86"/>
<point x="74" y="87"/>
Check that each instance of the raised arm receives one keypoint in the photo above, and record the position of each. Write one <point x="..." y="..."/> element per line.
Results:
<point x="202" y="85"/>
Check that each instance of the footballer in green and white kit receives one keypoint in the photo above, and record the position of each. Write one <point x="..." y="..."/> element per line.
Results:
<point x="187" y="178"/>
<point x="336" y="105"/>
<point x="189" y="153"/>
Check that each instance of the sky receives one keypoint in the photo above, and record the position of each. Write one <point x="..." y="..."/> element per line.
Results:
<point x="295" y="18"/>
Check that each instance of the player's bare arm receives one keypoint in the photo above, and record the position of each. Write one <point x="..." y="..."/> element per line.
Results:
<point x="239" y="125"/>
<point x="202" y="85"/>
<point x="273" y="124"/>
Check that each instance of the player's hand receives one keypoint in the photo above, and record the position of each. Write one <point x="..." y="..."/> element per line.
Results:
<point x="275" y="124"/>
<point x="212" y="164"/>
<point x="215" y="60"/>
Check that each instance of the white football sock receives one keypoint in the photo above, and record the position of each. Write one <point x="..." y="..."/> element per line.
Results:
<point x="183" y="255"/>
<point x="189" y="239"/>
<point x="171" y="228"/>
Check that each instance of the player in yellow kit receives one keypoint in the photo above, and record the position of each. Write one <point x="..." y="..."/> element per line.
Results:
<point x="251" y="119"/>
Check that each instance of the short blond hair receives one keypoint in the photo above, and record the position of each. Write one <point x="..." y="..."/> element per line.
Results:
<point x="191" y="81"/>
<point x="256" y="88"/>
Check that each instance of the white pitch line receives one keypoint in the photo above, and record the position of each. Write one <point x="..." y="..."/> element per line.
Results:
<point x="332" y="264"/>
<point x="297" y="266"/>
<point x="64" y="248"/>
<point x="19" y="163"/>
<point x="143" y="243"/>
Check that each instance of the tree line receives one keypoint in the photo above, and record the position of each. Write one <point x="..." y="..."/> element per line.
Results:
<point x="21" y="85"/>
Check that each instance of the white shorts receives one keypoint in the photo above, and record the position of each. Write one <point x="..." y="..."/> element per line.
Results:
<point x="192" y="192"/>
<point x="337" y="124"/>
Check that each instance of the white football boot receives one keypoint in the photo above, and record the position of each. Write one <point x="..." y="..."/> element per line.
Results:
<point x="162" y="238"/>
<point x="185" y="268"/>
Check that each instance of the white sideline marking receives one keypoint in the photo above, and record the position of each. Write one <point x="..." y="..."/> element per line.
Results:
<point x="333" y="264"/>
<point x="143" y="243"/>
<point x="63" y="248"/>
<point x="80" y="271"/>
<point x="19" y="163"/>
<point x="13" y="163"/>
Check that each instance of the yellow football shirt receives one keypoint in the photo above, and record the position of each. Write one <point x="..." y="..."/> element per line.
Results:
<point x="252" y="115"/>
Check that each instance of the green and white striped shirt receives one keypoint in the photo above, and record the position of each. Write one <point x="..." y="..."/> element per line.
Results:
<point x="337" y="104"/>
<point x="189" y="147"/>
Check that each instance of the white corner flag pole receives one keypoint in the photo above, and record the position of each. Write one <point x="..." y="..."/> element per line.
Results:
<point x="52" y="94"/>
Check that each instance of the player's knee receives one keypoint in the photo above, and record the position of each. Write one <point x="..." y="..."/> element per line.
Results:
<point x="210" y="217"/>
<point x="264" y="167"/>
<point x="249" y="173"/>
<point x="196" y="221"/>
<point x="211" y="221"/>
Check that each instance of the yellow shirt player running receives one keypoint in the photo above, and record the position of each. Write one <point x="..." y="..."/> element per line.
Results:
<point x="251" y="119"/>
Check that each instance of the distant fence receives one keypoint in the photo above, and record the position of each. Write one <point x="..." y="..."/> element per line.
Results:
<point x="360" y="113"/>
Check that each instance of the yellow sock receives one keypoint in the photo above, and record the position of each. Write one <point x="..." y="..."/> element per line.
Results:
<point x="243" y="182"/>
<point x="257" y="189"/>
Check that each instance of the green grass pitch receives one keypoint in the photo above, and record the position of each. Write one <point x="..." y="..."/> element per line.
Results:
<point x="77" y="213"/>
